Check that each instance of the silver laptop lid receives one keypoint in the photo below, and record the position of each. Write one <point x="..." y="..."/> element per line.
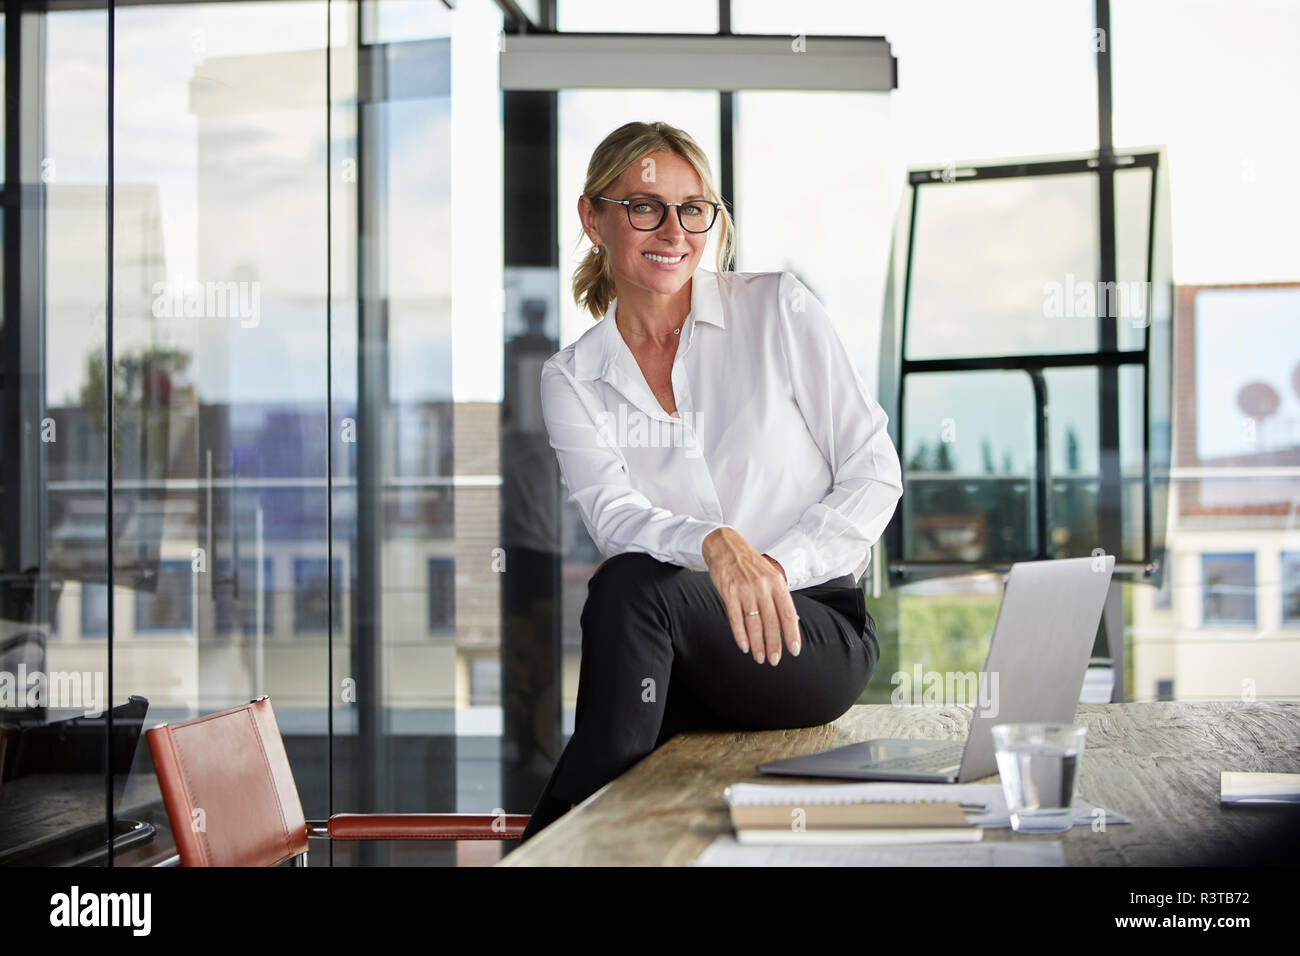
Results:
<point x="1038" y="656"/>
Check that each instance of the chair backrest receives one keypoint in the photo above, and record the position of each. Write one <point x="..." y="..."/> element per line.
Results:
<point x="228" y="789"/>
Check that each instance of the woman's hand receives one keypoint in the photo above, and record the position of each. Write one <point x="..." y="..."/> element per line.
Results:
<point x="749" y="581"/>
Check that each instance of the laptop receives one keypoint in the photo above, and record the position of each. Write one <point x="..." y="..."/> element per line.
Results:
<point x="1037" y="661"/>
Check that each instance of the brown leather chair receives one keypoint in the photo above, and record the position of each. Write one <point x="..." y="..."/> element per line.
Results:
<point x="231" y="798"/>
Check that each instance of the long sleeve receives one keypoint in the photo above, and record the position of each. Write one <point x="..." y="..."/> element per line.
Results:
<point x="618" y="517"/>
<point x="851" y="429"/>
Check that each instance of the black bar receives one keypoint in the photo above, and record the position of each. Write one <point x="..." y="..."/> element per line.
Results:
<point x="1108" y="359"/>
<point x="1040" y="463"/>
<point x="329" y="434"/>
<point x="1148" y="515"/>
<point x="897" y="539"/>
<point x="727" y="160"/>
<point x="528" y="129"/>
<point x="108" y="425"/>
<point x="1058" y="167"/>
<point x="368" y="767"/>
<point x="532" y="596"/>
<point x="11" y="353"/>
<point x="1110" y="523"/>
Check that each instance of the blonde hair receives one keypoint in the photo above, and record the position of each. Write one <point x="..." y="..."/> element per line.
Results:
<point x="593" y="281"/>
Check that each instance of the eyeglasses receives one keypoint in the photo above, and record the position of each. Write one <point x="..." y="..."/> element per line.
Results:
<point x="646" y="214"/>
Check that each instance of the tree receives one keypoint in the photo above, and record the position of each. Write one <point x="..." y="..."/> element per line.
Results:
<point x="920" y="461"/>
<point x="142" y="379"/>
<point x="943" y="460"/>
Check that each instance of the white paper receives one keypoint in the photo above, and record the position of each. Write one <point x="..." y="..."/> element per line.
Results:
<point x="1259" y="787"/>
<point x="726" y="851"/>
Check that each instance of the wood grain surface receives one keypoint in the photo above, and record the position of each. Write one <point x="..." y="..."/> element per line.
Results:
<point x="1156" y="763"/>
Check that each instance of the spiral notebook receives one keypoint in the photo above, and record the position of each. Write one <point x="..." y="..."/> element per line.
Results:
<point x="762" y="813"/>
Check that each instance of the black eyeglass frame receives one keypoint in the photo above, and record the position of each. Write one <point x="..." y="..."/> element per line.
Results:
<point x="627" y="206"/>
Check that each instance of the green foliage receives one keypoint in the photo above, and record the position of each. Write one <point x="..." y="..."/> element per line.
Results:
<point x="948" y="632"/>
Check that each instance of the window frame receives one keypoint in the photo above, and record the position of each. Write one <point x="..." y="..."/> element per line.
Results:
<point x="1107" y="359"/>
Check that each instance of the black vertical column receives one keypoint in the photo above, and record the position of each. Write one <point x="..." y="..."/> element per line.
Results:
<point x="1110" y="520"/>
<point x="368" y="761"/>
<point x="531" y="662"/>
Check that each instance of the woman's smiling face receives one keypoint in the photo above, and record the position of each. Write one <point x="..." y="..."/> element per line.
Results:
<point x="676" y="252"/>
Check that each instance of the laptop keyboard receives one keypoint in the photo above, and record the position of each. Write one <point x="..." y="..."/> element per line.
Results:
<point x="942" y="758"/>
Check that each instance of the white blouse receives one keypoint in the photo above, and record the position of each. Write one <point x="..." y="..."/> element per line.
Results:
<point x="775" y="435"/>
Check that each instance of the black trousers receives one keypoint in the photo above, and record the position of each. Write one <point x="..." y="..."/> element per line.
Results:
<point x="659" y="658"/>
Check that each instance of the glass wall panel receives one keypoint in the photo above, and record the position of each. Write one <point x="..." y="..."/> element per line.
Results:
<point x="993" y="272"/>
<point x="811" y="185"/>
<point x="282" y="412"/>
<point x="54" y="609"/>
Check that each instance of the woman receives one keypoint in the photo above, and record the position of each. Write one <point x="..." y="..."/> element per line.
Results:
<point x="728" y="462"/>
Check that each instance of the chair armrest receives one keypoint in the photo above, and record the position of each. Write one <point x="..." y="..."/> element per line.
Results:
<point x="425" y="826"/>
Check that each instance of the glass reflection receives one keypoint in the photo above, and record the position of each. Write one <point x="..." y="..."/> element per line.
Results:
<point x="968" y="466"/>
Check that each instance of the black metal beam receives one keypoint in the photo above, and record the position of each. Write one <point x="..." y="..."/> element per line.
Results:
<point x="1110" y="524"/>
<point x="108" y="426"/>
<point x="369" y="768"/>
<point x="1051" y="167"/>
<point x="11" y="329"/>
<point x="531" y="586"/>
<point x="1000" y="363"/>
<point x="727" y="103"/>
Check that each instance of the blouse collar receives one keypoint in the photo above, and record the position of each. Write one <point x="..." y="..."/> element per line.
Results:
<point x="598" y="346"/>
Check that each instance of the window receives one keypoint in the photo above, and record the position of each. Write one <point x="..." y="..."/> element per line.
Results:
<point x="969" y="475"/>
<point x="1228" y="587"/>
<point x="235" y="596"/>
<point x="170" y="606"/>
<point x="1165" y="593"/>
<point x="990" y="321"/>
<point x="1290" y="588"/>
<point x="442" y="595"/>
<point x="311" y="595"/>
<point x="484" y="681"/>
<point x="94" y="609"/>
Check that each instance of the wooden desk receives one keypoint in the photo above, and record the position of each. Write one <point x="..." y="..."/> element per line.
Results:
<point x="1156" y="763"/>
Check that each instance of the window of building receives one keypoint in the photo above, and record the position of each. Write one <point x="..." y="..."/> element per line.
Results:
<point x="1291" y="588"/>
<point x="442" y="595"/>
<point x="1165" y="593"/>
<point x="311" y="596"/>
<point x="94" y="609"/>
<point x="1228" y="588"/>
<point x="484" y="681"/>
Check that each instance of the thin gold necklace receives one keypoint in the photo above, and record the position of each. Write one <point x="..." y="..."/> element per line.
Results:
<point x="645" y="335"/>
